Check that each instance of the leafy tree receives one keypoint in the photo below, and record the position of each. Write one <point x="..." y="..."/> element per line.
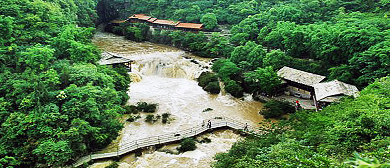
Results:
<point x="46" y="120"/>
<point x="82" y="74"/>
<point x="343" y="73"/>
<point x="86" y="14"/>
<point x="218" y="46"/>
<point x="73" y="43"/>
<point x="192" y="14"/>
<point x="210" y="21"/>
<point x="372" y="63"/>
<point x="6" y="30"/>
<point x="233" y="88"/>
<point x="54" y="153"/>
<point x="209" y="82"/>
<point x="217" y="65"/>
<point x="277" y="59"/>
<point x="187" y="144"/>
<point x="263" y="80"/>
<point x="275" y="109"/>
<point x="248" y="57"/>
<point x="37" y="57"/>
<point x="240" y="53"/>
<point x="229" y="70"/>
<point x="239" y="38"/>
<point x="134" y="33"/>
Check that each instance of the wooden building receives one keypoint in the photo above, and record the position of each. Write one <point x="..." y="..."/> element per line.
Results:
<point x="310" y="86"/>
<point x="151" y="20"/>
<point x="165" y="24"/>
<point x="189" y="26"/>
<point x="299" y="83"/>
<point x="139" y="18"/>
<point x="333" y="91"/>
<point x="115" y="60"/>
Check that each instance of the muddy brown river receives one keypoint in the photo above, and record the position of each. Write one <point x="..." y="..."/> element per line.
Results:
<point x="166" y="75"/>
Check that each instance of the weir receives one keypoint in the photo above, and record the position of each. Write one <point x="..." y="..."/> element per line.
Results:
<point x="217" y="122"/>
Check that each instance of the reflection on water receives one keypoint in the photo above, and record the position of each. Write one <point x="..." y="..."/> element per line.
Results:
<point x="165" y="75"/>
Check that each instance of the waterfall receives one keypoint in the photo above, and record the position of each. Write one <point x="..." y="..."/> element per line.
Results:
<point x="167" y="65"/>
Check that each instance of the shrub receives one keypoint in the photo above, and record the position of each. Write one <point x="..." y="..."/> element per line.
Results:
<point x="207" y="109"/>
<point x="156" y="118"/>
<point x="134" y="33"/>
<point x="187" y="144"/>
<point x="165" y="117"/>
<point x="205" y="78"/>
<point x="275" y="109"/>
<point x="150" y="108"/>
<point x="234" y="88"/>
<point x="145" y="107"/>
<point x="217" y="65"/>
<point x="133" y="118"/>
<point x="149" y="118"/>
<point x="213" y="87"/>
<point x="131" y="109"/>
<point x="209" y="82"/>
<point x="141" y="105"/>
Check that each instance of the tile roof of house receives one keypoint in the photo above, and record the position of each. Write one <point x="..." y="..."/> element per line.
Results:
<point x="166" y="22"/>
<point x="140" y="16"/>
<point x="334" y="88"/>
<point x="151" y="20"/>
<point x="190" y="25"/>
<point x="299" y="76"/>
<point x="109" y="59"/>
<point x="137" y="15"/>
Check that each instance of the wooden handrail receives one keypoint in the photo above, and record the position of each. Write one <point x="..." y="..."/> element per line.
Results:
<point x="216" y="122"/>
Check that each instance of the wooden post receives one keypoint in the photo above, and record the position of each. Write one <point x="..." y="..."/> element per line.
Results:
<point x="158" y="139"/>
<point x="315" y="102"/>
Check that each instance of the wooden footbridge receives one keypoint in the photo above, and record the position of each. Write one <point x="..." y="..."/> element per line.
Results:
<point x="217" y="122"/>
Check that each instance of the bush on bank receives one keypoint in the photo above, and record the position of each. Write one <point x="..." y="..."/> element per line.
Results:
<point x="209" y="82"/>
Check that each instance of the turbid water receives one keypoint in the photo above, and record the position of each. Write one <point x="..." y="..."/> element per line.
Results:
<point x="166" y="75"/>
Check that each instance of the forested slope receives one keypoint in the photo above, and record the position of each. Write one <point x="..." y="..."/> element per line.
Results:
<point x="234" y="11"/>
<point x="56" y="103"/>
<point x="323" y="139"/>
<point x="346" y="40"/>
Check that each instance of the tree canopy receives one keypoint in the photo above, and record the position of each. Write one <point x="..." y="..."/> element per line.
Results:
<point x="56" y="103"/>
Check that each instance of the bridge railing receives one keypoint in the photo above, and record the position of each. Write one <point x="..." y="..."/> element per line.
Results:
<point x="216" y="122"/>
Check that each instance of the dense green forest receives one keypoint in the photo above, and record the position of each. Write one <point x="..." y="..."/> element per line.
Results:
<point x="56" y="103"/>
<point x="346" y="40"/>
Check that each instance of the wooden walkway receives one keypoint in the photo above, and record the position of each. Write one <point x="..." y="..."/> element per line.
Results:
<point x="217" y="122"/>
